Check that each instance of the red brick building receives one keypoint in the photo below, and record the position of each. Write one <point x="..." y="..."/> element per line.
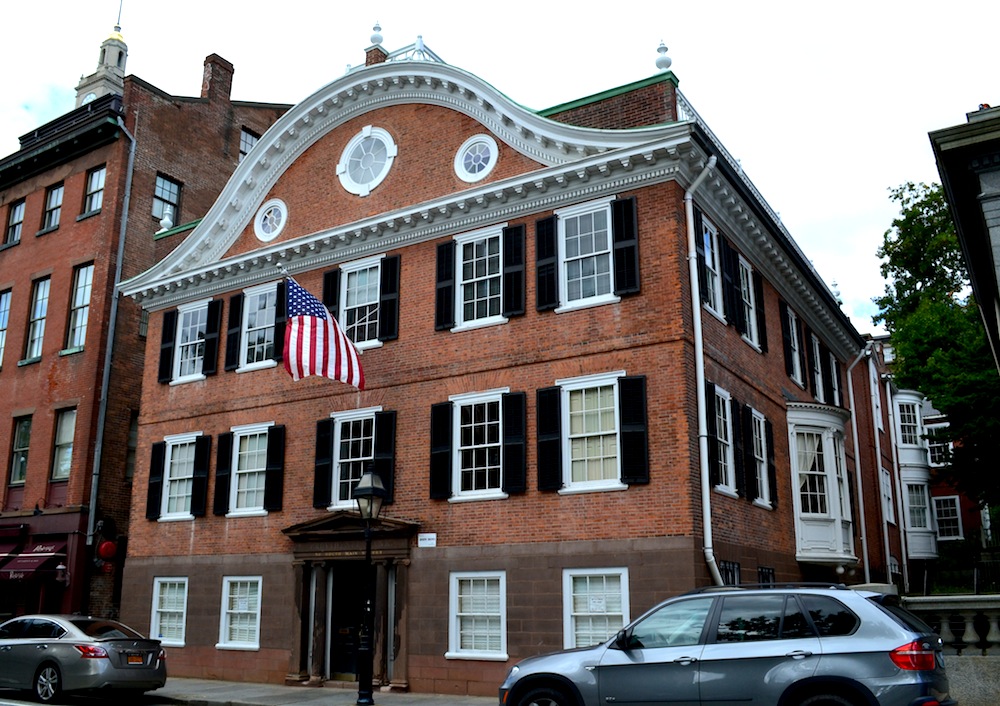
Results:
<point x="565" y="438"/>
<point x="80" y="202"/>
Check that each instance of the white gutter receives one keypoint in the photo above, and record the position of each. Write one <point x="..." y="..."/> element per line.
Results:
<point x="699" y="374"/>
<point x="864" y="353"/>
<point x="102" y="410"/>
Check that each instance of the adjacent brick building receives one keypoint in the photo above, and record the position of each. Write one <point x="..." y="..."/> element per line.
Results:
<point x="80" y="202"/>
<point x="565" y="438"/>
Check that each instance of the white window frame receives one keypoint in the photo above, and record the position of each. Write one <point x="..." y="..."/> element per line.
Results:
<point x="79" y="307"/>
<point x="758" y="438"/>
<point x="248" y="138"/>
<point x="344" y="167"/>
<point x="15" y="223"/>
<point x="235" y="474"/>
<point x="5" y="297"/>
<point x="929" y="429"/>
<point x="567" y="387"/>
<point x="250" y="296"/>
<point x="339" y="419"/>
<point x="157" y="612"/>
<point x="795" y="345"/>
<point x="571" y="614"/>
<point x="62" y="447"/>
<point x="455" y="649"/>
<point x="908" y="416"/>
<point x="722" y="408"/>
<point x="913" y="522"/>
<point x="53" y="207"/>
<point x="466" y="400"/>
<point x="749" y="302"/>
<point x="349" y="298"/>
<point x="173" y="442"/>
<point x="166" y="195"/>
<point x="713" y="267"/>
<point x="270" y="220"/>
<point x="874" y="381"/>
<point x="563" y="216"/>
<point x="482" y="153"/>
<point x="835" y="380"/>
<point x="888" y="507"/>
<point x="180" y="346"/>
<point x="40" y="292"/>
<point x="94" y="197"/>
<point x="224" y="642"/>
<point x="956" y="507"/>
<point x="819" y="389"/>
<point x="461" y="283"/>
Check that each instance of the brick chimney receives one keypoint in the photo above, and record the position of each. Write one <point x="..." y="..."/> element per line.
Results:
<point x="217" y="82"/>
<point x="375" y="55"/>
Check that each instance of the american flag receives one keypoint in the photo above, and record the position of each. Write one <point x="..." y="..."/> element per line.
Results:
<point x="314" y="342"/>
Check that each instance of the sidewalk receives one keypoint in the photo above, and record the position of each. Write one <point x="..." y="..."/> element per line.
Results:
<point x="209" y="692"/>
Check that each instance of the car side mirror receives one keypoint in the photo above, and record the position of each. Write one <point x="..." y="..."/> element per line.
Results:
<point x="622" y="640"/>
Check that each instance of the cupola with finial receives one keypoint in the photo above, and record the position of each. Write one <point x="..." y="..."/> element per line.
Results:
<point x="110" y="74"/>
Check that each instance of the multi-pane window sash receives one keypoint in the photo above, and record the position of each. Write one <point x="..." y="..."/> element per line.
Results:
<point x="240" y="612"/>
<point x="79" y="312"/>
<point x="179" y="479"/>
<point x="949" y="517"/>
<point x="479" y="446"/>
<point x="36" y="319"/>
<point x="191" y="329"/>
<point x="758" y="428"/>
<point x="169" y="611"/>
<point x="724" y="439"/>
<point x="596" y="608"/>
<point x="166" y="193"/>
<point x="909" y="429"/>
<point x="15" y="222"/>
<point x="479" y="615"/>
<point x="4" y="322"/>
<point x="587" y="255"/>
<point x="796" y="346"/>
<point x="19" y="450"/>
<point x="916" y="495"/>
<point x="247" y="141"/>
<point x="361" y="303"/>
<point x="259" y="310"/>
<point x="356" y="439"/>
<point x="593" y="434"/>
<point x="713" y="267"/>
<point x="95" y="190"/>
<point x="53" y="207"/>
<point x="812" y="473"/>
<point x="749" y="301"/>
<point x="481" y="278"/>
<point x="62" y="457"/>
<point x="250" y="471"/>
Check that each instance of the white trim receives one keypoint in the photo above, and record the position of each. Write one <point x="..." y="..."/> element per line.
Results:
<point x="176" y="377"/>
<point x="956" y="504"/>
<point x="713" y="267"/>
<point x="339" y="418"/>
<point x="494" y="156"/>
<point x="258" y="221"/>
<point x="223" y="643"/>
<point x="585" y="382"/>
<point x="574" y="211"/>
<point x="494" y="231"/>
<point x="728" y="484"/>
<point x="154" y="623"/>
<point x="172" y="441"/>
<point x="455" y="650"/>
<point x="258" y="290"/>
<point x="569" y="633"/>
<point x="461" y="400"/>
<point x="347" y="180"/>
<point x="346" y="270"/>
<point x="238" y="433"/>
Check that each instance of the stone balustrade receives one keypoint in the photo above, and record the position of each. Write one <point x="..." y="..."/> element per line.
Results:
<point x="968" y="624"/>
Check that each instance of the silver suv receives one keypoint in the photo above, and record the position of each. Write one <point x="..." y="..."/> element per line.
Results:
<point x="786" y="646"/>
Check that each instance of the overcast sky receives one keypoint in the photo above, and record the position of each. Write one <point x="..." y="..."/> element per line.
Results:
<point x="827" y="106"/>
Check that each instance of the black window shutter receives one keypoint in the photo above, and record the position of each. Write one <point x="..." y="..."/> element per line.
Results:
<point x="625" y="230"/>
<point x="444" y="297"/>
<point x="323" y="472"/>
<point x="513" y="271"/>
<point x="154" y="490"/>
<point x="549" y="438"/>
<point x="786" y="338"/>
<point x="772" y="473"/>
<point x="274" y="470"/>
<point x="210" y="364"/>
<point x="515" y="442"/>
<point x="388" y="302"/>
<point x="739" y="467"/>
<point x="166" y="371"/>
<point x="758" y="299"/>
<point x="385" y="452"/>
<point x="714" y="477"/>
<point x="824" y="362"/>
<point x="699" y="248"/>
<point x="280" y="319"/>
<point x="810" y="358"/>
<point x="223" y="473"/>
<point x="546" y="265"/>
<point x="199" y="475"/>
<point x="234" y="332"/>
<point x="633" y="432"/>
<point x="804" y="345"/>
<point x="331" y="291"/>
<point x="440" y="468"/>
<point x="749" y="460"/>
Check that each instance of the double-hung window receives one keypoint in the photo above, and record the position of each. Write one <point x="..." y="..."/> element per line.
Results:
<point x="760" y="452"/>
<point x="15" y="222"/>
<point x="347" y="444"/>
<point x="595" y="605"/>
<point x="166" y="198"/>
<point x="909" y="424"/>
<point x="258" y="331"/>
<point x="360" y="314"/>
<point x="239" y="621"/>
<point x="479" y="449"/>
<point x="477" y="628"/>
<point x="179" y="476"/>
<point x="816" y="360"/>
<point x="888" y="510"/>
<point x="748" y="300"/>
<point x="19" y="450"/>
<point x="249" y="470"/>
<point x="712" y="267"/>
<point x="480" y="277"/>
<point x="947" y="511"/>
<point x="723" y="458"/>
<point x="36" y="318"/>
<point x="4" y="322"/>
<point x="94" y="196"/>
<point x="939" y="445"/>
<point x="248" y="139"/>
<point x="62" y="455"/>
<point x="813" y="473"/>
<point x="792" y="340"/>
<point x="585" y="249"/>
<point x="169" y="613"/>
<point x="53" y="207"/>
<point x="192" y="326"/>
<point x="355" y="444"/>
<point x="918" y="508"/>
<point x="189" y="347"/>
<point x="79" y="307"/>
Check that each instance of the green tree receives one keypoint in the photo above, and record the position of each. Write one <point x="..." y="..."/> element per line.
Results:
<point x="938" y="337"/>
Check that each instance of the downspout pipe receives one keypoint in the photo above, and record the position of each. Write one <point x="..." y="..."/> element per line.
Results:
<point x="699" y="374"/>
<point x="102" y="410"/>
<point x="865" y="352"/>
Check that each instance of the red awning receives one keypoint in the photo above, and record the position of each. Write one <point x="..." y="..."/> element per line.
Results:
<point x="24" y="565"/>
<point x="7" y="549"/>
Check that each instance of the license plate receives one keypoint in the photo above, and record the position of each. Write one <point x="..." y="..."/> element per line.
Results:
<point x="134" y="659"/>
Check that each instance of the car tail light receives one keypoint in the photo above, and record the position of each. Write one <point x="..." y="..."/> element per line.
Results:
<point x="162" y="656"/>
<point x="917" y="655"/>
<point x="91" y="651"/>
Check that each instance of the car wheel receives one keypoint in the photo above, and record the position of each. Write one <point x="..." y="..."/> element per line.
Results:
<point x="47" y="684"/>
<point x="826" y="700"/>
<point x="545" y="696"/>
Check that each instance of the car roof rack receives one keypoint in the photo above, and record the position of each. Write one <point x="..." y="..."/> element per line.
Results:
<point x="775" y="585"/>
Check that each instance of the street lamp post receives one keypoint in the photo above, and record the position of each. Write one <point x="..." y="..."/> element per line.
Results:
<point x="368" y="494"/>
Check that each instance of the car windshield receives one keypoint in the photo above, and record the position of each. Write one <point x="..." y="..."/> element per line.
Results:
<point x="105" y="629"/>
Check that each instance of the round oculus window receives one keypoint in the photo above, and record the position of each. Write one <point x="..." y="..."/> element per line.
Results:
<point x="270" y="220"/>
<point x="366" y="160"/>
<point x="476" y="158"/>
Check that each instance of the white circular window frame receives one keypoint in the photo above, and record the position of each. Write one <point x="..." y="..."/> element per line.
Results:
<point x="346" y="180"/>
<point x="472" y="177"/>
<point x="258" y="221"/>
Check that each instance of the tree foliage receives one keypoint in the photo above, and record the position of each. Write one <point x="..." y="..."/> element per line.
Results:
<point x="938" y="337"/>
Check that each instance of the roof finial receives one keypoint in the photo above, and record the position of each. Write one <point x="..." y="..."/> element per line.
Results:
<point x="376" y="34"/>
<point x="662" y="61"/>
<point x="118" y="24"/>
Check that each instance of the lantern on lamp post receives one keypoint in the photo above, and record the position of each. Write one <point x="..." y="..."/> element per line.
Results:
<point x="369" y="493"/>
